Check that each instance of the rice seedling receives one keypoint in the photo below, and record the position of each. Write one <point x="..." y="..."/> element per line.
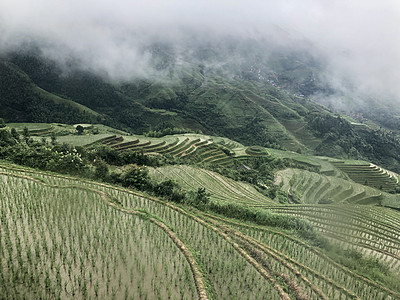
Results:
<point x="63" y="238"/>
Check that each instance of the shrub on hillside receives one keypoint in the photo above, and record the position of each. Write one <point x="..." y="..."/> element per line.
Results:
<point x="135" y="177"/>
<point x="101" y="170"/>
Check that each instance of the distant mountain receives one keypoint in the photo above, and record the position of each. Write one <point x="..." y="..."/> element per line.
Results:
<point x="253" y="98"/>
<point x="234" y="101"/>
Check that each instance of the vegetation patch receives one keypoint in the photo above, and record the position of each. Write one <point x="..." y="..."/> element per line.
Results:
<point x="256" y="150"/>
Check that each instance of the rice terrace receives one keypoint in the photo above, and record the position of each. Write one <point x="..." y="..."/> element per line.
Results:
<point x="72" y="237"/>
<point x="211" y="150"/>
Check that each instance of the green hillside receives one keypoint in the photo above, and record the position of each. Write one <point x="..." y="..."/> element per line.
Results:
<point x="270" y="109"/>
<point x="213" y="176"/>
<point x="189" y="216"/>
<point x="220" y="188"/>
<point x="66" y="102"/>
<point x="23" y="101"/>
<point x="160" y="249"/>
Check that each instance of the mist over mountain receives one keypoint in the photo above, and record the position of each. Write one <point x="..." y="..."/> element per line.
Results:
<point x="355" y="44"/>
<point x="256" y="72"/>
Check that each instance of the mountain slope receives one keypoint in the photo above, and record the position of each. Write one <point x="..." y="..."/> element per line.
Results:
<point x="182" y="251"/>
<point x="195" y="98"/>
<point x="236" y="100"/>
<point x="22" y="100"/>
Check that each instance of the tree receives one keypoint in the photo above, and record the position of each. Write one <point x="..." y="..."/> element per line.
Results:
<point x="2" y="123"/>
<point x="53" y="138"/>
<point x="165" y="188"/>
<point x="136" y="177"/>
<point x="101" y="171"/>
<point x="202" y="197"/>
<point x="170" y="190"/>
<point x="6" y="139"/>
<point x="15" y="134"/>
<point x="26" y="135"/>
<point x="80" y="129"/>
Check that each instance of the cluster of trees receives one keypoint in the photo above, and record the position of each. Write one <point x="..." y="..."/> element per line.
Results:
<point x="23" y="150"/>
<point x="113" y="157"/>
<point x="259" y="171"/>
<point x="94" y="163"/>
<point x="167" y="131"/>
<point x="341" y="139"/>
<point x="137" y="176"/>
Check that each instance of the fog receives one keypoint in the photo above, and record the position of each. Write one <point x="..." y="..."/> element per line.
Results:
<point x="357" y="40"/>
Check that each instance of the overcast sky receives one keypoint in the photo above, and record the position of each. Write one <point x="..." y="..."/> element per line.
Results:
<point x="360" y="38"/>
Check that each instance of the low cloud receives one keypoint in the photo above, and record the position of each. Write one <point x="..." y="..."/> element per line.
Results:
<point x="358" y="40"/>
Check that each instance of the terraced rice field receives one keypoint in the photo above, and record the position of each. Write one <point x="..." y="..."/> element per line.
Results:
<point x="65" y="241"/>
<point x="78" y="140"/>
<point x="34" y="128"/>
<point x="66" y="133"/>
<point x="318" y="188"/>
<point x="197" y="149"/>
<point x="192" y="147"/>
<point x="220" y="188"/>
<point x="314" y="187"/>
<point x="370" y="175"/>
<point x="372" y="230"/>
<point x="202" y="149"/>
<point x="257" y="151"/>
<point x="355" y="226"/>
<point x="69" y="238"/>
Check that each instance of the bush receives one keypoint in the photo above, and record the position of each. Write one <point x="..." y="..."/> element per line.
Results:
<point x="80" y="129"/>
<point x="165" y="188"/>
<point x="200" y="198"/>
<point x="266" y="218"/>
<point x="135" y="176"/>
<point x="101" y="170"/>
<point x="167" y="131"/>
